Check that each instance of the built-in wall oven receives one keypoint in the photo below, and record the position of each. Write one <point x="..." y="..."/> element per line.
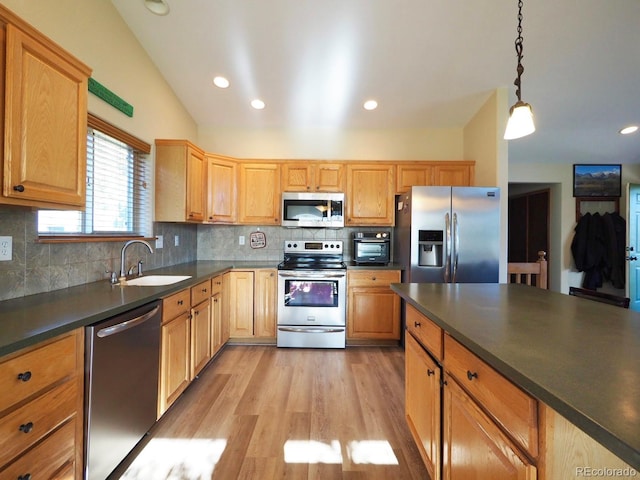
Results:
<point x="312" y="295"/>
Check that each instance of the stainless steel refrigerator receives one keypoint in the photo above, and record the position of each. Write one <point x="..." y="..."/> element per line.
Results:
<point x="448" y="234"/>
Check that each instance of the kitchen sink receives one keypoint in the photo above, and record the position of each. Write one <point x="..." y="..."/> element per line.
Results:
<point x="156" y="280"/>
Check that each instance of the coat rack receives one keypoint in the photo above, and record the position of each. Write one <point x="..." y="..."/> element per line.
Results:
<point x="599" y="205"/>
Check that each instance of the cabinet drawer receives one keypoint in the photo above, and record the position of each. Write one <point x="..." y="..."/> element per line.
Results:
<point x="56" y="453"/>
<point x="512" y="408"/>
<point x="175" y="305"/>
<point x="25" y="374"/>
<point x="369" y="278"/>
<point x="216" y="285"/>
<point x="200" y="292"/>
<point x="427" y="332"/>
<point x="34" y="420"/>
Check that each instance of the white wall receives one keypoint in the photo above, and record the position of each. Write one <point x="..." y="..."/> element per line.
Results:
<point x="327" y="144"/>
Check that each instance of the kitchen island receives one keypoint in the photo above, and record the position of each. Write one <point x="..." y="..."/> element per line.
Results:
<point x="578" y="357"/>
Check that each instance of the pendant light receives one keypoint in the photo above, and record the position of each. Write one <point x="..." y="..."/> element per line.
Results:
<point x="520" y="122"/>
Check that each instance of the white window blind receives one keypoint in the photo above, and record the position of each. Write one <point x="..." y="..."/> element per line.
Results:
<point x="117" y="202"/>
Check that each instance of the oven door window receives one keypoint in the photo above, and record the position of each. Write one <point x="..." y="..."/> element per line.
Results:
<point x="371" y="249"/>
<point x="311" y="293"/>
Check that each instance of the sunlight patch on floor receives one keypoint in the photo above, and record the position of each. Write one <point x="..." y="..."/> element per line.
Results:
<point x="312" y="451"/>
<point x="374" y="452"/>
<point x="169" y="458"/>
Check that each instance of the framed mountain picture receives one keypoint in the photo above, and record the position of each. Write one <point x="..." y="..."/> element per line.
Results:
<point x="591" y="180"/>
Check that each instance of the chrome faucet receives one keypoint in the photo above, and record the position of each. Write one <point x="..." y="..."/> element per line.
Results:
<point x="123" y="268"/>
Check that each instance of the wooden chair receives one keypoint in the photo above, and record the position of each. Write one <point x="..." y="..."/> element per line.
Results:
<point x="533" y="274"/>
<point x="600" y="296"/>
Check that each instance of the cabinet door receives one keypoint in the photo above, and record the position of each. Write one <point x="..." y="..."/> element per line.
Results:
<point x="266" y="287"/>
<point x="474" y="448"/>
<point x="413" y="175"/>
<point x="329" y="177"/>
<point x="225" y="324"/>
<point x="423" y="400"/>
<point x="196" y="178"/>
<point x="259" y="194"/>
<point x="221" y="187"/>
<point x="216" y="323"/>
<point x="370" y="194"/>
<point x="45" y="123"/>
<point x="454" y="175"/>
<point x="296" y="177"/>
<point x="241" y="304"/>
<point x="200" y="336"/>
<point x="175" y="363"/>
<point x="373" y="313"/>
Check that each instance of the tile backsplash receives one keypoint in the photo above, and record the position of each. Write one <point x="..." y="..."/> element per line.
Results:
<point x="42" y="267"/>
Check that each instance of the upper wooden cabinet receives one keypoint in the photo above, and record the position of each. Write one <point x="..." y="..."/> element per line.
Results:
<point x="180" y="182"/>
<point x="259" y="193"/>
<point x="312" y="176"/>
<point x="45" y="119"/>
<point x="221" y="189"/>
<point x="370" y="194"/>
<point x="409" y="174"/>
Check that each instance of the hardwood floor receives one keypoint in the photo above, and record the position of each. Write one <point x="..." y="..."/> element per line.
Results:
<point x="259" y="412"/>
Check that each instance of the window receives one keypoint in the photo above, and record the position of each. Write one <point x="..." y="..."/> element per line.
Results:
<point x="117" y="202"/>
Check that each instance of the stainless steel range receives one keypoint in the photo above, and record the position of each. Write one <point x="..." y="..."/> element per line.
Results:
<point x="312" y="295"/>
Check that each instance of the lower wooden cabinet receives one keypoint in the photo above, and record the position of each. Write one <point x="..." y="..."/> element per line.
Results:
<point x="373" y="310"/>
<point x="251" y="303"/>
<point x="41" y="400"/>
<point x="474" y="447"/>
<point x="423" y="402"/>
<point x="175" y="360"/>
<point x="191" y="333"/>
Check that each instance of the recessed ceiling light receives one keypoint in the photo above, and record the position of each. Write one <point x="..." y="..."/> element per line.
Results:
<point x="221" y="82"/>
<point x="629" y="129"/>
<point x="370" y="105"/>
<point x="257" y="104"/>
<point x="159" y="7"/>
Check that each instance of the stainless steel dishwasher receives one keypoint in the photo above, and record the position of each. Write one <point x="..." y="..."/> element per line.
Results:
<point x="122" y="357"/>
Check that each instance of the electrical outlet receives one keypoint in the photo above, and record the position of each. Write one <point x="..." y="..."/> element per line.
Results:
<point x="6" y="246"/>
<point x="176" y="240"/>
<point x="159" y="241"/>
<point x="241" y="240"/>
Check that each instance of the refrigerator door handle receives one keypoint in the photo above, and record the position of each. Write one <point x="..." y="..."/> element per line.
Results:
<point x="447" y="249"/>
<point x="456" y="246"/>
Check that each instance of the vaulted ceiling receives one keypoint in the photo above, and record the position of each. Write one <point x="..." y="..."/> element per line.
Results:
<point x="428" y="63"/>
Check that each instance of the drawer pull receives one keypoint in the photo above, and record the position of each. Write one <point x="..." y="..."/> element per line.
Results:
<point x="26" y="427"/>
<point x="18" y="188"/>
<point x="471" y="375"/>
<point x="26" y="476"/>
<point x="430" y="372"/>
<point x="204" y="290"/>
<point x="416" y="324"/>
<point x="180" y="302"/>
<point x="25" y="377"/>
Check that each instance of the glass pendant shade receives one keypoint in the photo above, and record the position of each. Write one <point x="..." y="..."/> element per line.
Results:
<point x="520" y="122"/>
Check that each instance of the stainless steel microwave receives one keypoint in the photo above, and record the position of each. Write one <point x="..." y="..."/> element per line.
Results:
<point x="313" y="209"/>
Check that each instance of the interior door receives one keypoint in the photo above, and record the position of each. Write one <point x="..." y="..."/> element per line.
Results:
<point x="633" y="265"/>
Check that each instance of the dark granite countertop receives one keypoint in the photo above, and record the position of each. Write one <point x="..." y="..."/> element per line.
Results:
<point x="580" y="357"/>
<point x="28" y="320"/>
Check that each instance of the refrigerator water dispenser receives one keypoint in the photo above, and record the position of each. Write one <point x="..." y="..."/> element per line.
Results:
<point x="430" y="248"/>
